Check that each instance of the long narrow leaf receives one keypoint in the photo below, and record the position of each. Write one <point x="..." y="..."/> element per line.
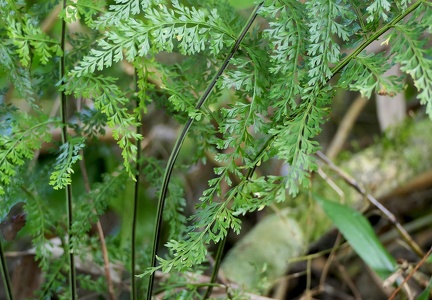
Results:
<point x="360" y="235"/>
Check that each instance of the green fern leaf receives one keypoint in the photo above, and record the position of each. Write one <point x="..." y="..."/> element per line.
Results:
<point x="286" y="33"/>
<point x="415" y="59"/>
<point x="323" y="50"/>
<point x="192" y="30"/>
<point x="28" y="134"/>
<point x="379" y="9"/>
<point x="365" y="74"/>
<point x="69" y="155"/>
<point x="110" y="100"/>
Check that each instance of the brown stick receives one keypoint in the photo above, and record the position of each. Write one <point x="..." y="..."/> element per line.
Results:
<point x="411" y="274"/>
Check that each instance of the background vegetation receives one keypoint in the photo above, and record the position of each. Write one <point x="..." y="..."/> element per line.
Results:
<point x="183" y="149"/>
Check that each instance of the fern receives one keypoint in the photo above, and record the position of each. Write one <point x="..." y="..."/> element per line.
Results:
<point x="110" y="100"/>
<point x="123" y="9"/>
<point x="26" y="35"/>
<point x="69" y="155"/>
<point x="286" y="33"/>
<point x="95" y="202"/>
<point x="216" y="220"/>
<point x="365" y="74"/>
<point x="294" y="142"/>
<point x="28" y="134"/>
<point x="84" y="8"/>
<point x="323" y="49"/>
<point x="414" y="57"/>
<point x="18" y="76"/>
<point x="378" y="9"/>
<point x="165" y="26"/>
<point x="266" y="99"/>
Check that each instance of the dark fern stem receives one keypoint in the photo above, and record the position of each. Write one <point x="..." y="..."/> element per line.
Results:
<point x="5" y="273"/>
<point x="179" y="142"/>
<point x="218" y="260"/>
<point x="135" y="203"/>
<point x="72" y="277"/>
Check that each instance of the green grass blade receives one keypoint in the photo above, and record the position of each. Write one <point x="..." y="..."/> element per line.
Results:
<point x="360" y="235"/>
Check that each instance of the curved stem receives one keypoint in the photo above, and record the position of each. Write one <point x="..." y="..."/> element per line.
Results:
<point x="135" y="203"/>
<point x="215" y="272"/>
<point x="179" y="143"/>
<point x="72" y="277"/>
<point x="5" y="273"/>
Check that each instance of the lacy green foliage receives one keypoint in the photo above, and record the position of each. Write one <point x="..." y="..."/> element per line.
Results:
<point x="18" y="76"/>
<point x="144" y="86"/>
<point x="257" y="193"/>
<point x="152" y="172"/>
<point x="174" y="211"/>
<point x="322" y="48"/>
<point x="190" y="283"/>
<point x="286" y="34"/>
<point x="213" y="220"/>
<point x="271" y="102"/>
<point x="27" y="134"/>
<point x="191" y="28"/>
<point x="89" y="284"/>
<point x="365" y="74"/>
<point x="69" y="155"/>
<point x="378" y="9"/>
<point x="293" y="139"/>
<point x="414" y="56"/>
<point x="123" y="9"/>
<point x="42" y="222"/>
<point x="111" y="101"/>
<point x="294" y="142"/>
<point x="26" y="36"/>
<point x="54" y="284"/>
<point x="75" y="10"/>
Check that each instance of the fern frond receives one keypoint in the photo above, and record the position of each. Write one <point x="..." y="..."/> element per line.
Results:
<point x="258" y="193"/>
<point x="293" y="140"/>
<point x="69" y="155"/>
<point x="122" y="10"/>
<point x="415" y="58"/>
<point x="26" y="36"/>
<point x="93" y="204"/>
<point x="110" y="100"/>
<point x="243" y="118"/>
<point x="287" y="34"/>
<point x="378" y="9"/>
<point x="215" y="220"/>
<point x="28" y="134"/>
<point x="192" y="30"/>
<point x="40" y="221"/>
<point x="83" y="8"/>
<point x="323" y="50"/>
<point x="404" y="3"/>
<point x="365" y="74"/>
<point x="18" y="76"/>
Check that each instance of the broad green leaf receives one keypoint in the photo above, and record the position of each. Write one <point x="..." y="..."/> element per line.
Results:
<point x="362" y="238"/>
